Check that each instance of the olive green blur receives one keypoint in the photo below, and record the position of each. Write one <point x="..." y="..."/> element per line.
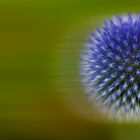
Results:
<point x="41" y="96"/>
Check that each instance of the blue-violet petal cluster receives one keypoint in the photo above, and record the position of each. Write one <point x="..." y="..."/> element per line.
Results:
<point x="110" y="66"/>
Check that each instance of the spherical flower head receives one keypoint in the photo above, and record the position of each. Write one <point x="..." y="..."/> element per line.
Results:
<point x="110" y="66"/>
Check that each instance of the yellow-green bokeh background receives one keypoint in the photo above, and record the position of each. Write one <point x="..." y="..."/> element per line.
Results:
<point x="41" y="96"/>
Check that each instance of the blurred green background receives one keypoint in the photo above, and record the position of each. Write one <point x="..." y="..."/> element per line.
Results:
<point x="41" y="96"/>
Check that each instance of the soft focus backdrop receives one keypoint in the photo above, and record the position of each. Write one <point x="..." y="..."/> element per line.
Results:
<point x="41" y="96"/>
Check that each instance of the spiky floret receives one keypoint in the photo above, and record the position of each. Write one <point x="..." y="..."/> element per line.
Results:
<point x="110" y="65"/>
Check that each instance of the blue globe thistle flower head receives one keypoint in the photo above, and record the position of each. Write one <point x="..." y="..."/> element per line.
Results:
<point x="110" y="67"/>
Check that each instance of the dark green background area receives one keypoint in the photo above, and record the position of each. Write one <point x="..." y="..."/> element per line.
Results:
<point x="41" y="96"/>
